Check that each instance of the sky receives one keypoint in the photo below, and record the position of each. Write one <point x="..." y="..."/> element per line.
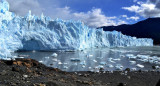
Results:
<point x="94" y="13"/>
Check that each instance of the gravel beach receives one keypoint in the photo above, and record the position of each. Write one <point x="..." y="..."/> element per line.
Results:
<point x="29" y="72"/>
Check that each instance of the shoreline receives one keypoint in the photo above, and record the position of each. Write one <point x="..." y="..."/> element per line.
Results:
<point x="25" y="71"/>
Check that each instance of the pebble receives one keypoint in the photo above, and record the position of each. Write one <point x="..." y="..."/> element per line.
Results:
<point x="3" y="72"/>
<point x="25" y="76"/>
<point x="128" y="77"/>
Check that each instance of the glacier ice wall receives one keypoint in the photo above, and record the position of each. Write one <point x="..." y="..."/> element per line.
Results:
<point x="42" y="33"/>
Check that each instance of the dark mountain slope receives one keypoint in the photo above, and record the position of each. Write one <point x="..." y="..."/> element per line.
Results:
<point x="149" y="28"/>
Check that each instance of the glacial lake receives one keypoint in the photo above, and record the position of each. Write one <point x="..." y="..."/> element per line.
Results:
<point x="109" y="59"/>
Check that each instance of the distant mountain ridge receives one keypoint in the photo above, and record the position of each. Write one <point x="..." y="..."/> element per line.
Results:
<point x="149" y="28"/>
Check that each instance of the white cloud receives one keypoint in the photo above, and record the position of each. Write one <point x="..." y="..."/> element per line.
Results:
<point x="52" y="8"/>
<point x="151" y="8"/>
<point x="125" y="16"/>
<point x="135" y="18"/>
<point x="96" y="18"/>
<point x="22" y="7"/>
<point x="133" y="8"/>
<point x="93" y="18"/>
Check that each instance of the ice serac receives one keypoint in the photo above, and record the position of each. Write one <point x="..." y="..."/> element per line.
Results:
<point x="42" y="33"/>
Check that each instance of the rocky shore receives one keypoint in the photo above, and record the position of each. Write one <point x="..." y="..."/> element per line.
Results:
<point x="29" y="72"/>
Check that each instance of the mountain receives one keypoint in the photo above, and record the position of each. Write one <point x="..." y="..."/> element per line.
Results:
<point x="149" y="28"/>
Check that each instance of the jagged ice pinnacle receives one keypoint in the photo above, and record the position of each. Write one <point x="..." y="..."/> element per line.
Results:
<point x="34" y="33"/>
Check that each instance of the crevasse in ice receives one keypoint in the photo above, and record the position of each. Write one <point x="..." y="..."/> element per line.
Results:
<point x="42" y="33"/>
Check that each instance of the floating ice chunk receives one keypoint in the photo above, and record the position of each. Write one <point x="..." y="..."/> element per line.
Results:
<point x="41" y="61"/>
<point x="60" y="63"/>
<point x="131" y="56"/>
<point x="110" y="66"/>
<point x="157" y="67"/>
<point x="54" y="55"/>
<point x="143" y="56"/>
<point x="154" y="59"/>
<point x="65" y="63"/>
<point x="102" y="63"/>
<point x="133" y="69"/>
<point x="100" y="66"/>
<point x="157" y="62"/>
<point x="83" y="66"/>
<point x="75" y="64"/>
<point x="89" y="67"/>
<point x="151" y="61"/>
<point x="88" y="56"/>
<point x="65" y="67"/>
<point x="96" y="71"/>
<point x="117" y="59"/>
<point x="132" y="62"/>
<point x="15" y="57"/>
<point x="33" y="51"/>
<point x="75" y="59"/>
<point x="110" y="60"/>
<point x="140" y="66"/>
<point x="23" y="55"/>
<point x="46" y="57"/>
<point x="148" y="58"/>
<point x="7" y="59"/>
<point x="122" y="56"/>
<point x="83" y="63"/>
<point x="55" y="60"/>
<point x="96" y="67"/>
<point x="158" y="58"/>
<point x="119" y="67"/>
<point x="100" y="57"/>
<point x="95" y="60"/>
<point x="84" y="52"/>
<point x="144" y="60"/>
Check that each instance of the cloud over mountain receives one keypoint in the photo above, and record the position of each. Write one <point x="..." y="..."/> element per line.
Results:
<point x="150" y="8"/>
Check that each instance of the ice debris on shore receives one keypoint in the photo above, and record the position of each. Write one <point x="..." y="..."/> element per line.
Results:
<point x="42" y="33"/>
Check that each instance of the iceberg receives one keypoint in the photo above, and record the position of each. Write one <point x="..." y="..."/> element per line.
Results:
<point x="119" y="67"/>
<point x="43" y="33"/>
<point x="54" y="55"/>
<point x="140" y="66"/>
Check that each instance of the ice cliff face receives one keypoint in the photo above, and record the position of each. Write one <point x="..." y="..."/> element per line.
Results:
<point x="42" y="33"/>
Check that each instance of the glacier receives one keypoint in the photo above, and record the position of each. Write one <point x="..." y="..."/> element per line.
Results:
<point x="43" y="33"/>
